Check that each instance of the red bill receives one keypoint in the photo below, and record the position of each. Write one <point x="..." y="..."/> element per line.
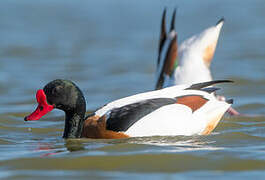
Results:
<point x="42" y="109"/>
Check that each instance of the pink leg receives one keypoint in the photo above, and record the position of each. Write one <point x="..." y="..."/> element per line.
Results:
<point x="233" y="112"/>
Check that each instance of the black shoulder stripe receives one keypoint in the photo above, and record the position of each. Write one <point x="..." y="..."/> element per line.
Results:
<point x="120" y="119"/>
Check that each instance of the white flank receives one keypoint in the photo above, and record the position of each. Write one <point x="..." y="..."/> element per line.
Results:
<point x="177" y="119"/>
<point x="174" y="119"/>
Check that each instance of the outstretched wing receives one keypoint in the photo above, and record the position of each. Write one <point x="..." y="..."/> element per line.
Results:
<point x="169" y="62"/>
<point x="168" y="51"/>
<point x="163" y="35"/>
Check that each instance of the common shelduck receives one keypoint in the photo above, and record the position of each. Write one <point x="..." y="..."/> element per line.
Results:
<point x="176" y="110"/>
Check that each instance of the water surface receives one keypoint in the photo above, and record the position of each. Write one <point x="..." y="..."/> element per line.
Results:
<point x="109" y="49"/>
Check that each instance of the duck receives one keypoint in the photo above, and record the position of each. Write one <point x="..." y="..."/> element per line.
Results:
<point x="190" y="62"/>
<point x="176" y="110"/>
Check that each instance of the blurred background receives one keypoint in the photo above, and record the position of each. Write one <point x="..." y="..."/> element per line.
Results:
<point x="109" y="49"/>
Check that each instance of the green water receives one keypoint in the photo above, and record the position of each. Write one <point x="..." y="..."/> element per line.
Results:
<point x="109" y="49"/>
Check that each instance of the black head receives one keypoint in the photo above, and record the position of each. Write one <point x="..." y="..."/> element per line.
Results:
<point x="64" y="95"/>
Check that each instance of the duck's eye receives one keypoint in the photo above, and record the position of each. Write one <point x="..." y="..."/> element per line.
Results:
<point x="56" y="90"/>
<point x="41" y="108"/>
<point x="59" y="105"/>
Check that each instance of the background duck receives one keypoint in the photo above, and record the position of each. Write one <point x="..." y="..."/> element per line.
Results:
<point x="190" y="63"/>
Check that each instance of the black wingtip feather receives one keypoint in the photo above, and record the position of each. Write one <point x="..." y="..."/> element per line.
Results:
<point x="221" y="20"/>
<point x="199" y="86"/>
<point x="210" y="89"/>
<point x="230" y="101"/>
